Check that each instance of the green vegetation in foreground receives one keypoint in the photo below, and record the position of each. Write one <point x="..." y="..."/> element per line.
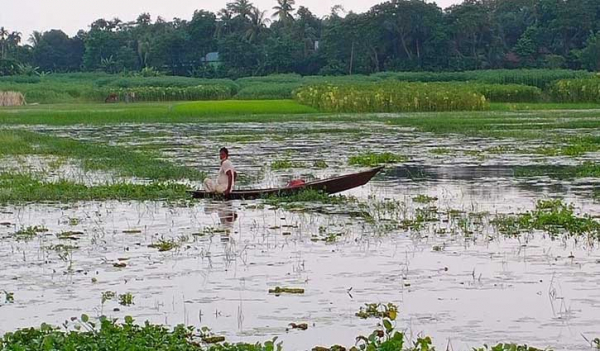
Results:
<point x="15" y="188"/>
<point x="242" y="107"/>
<point x="584" y="170"/>
<point x="108" y="334"/>
<point x="552" y="216"/>
<point x="372" y="159"/>
<point x="94" y="156"/>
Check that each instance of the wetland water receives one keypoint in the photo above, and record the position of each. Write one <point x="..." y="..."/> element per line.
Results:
<point x="455" y="277"/>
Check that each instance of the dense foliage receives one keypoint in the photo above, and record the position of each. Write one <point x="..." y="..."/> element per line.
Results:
<point x="576" y="90"/>
<point x="392" y="97"/>
<point x="396" y="35"/>
<point x="111" y="335"/>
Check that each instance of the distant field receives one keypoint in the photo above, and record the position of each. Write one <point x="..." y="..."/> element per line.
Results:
<point x="202" y="111"/>
<point x="96" y="87"/>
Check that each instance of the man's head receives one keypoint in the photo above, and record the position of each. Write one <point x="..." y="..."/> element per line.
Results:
<point x="224" y="153"/>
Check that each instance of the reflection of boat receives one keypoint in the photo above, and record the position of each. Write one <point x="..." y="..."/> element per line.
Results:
<point x="330" y="186"/>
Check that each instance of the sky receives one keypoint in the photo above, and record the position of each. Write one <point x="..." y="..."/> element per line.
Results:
<point x="25" y="16"/>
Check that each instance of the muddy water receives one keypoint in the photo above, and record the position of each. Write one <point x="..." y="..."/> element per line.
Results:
<point x="463" y="288"/>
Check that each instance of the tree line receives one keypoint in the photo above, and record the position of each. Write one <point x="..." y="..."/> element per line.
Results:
<point x="397" y="35"/>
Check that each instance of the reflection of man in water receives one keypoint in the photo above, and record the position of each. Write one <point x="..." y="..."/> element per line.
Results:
<point x="227" y="215"/>
<point x="226" y="178"/>
<point x="226" y="212"/>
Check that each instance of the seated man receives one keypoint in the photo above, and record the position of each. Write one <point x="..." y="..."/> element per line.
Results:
<point x="226" y="178"/>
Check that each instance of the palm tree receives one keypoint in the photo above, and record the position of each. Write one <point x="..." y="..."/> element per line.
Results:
<point x="35" y="38"/>
<point x="242" y="8"/>
<point x="284" y="10"/>
<point x="14" y="39"/>
<point x="258" y="23"/>
<point x="3" y="43"/>
<point x="224" y="23"/>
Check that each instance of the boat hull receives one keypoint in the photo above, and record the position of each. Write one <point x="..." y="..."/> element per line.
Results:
<point x="329" y="186"/>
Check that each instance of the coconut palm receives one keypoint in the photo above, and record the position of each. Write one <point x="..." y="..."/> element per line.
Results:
<point x="35" y="38"/>
<point x="14" y="39"/>
<point x="3" y="43"/>
<point x="241" y="8"/>
<point x="224" y="23"/>
<point x="284" y="10"/>
<point x="258" y="23"/>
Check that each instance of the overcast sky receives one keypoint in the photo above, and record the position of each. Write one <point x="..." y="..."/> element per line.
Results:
<point x="26" y="16"/>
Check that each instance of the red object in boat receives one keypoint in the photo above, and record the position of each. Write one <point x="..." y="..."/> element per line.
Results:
<point x="296" y="183"/>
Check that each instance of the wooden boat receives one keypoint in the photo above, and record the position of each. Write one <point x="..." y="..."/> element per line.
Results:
<point x="330" y="186"/>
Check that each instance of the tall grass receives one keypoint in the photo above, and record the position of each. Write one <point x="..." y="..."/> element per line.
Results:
<point x="267" y="91"/>
<point x="195" y="93"/>
<point x="96" y="87"/>
<point x="576" y="90"/>
<point x="507" y="92"/>
<point x="541" y="78"/>
<point x="392" y="97"/>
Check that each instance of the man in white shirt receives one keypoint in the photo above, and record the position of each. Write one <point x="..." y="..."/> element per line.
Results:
<point x="226" y="178"/>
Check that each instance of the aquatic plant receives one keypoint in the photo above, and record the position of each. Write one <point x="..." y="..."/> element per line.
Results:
<point x="372" y="159"/>
<point x="165" y="245"/>
<point x="424" y="199"/>
<point x="508" y="347"/>
<point x="378" y="310"/>
<point x="552" y="216"/>
<point x="279" y="290"/>
<point x="309" y="196"/>
<point x="285" y="164"/>
<point x="109" y="334"/>
<point x="440" y="151"/>
<point x="126" y="299"/>
<point x="9" y="297"/>
<point x="30" y="231"/>
<point x="321" y="164"/>
<point x="108" y="295"/>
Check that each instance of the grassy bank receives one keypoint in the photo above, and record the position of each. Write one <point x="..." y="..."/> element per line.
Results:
<point x="24" y="186"/>
<point x="19" y="188"/>
<point x="265" y="111"/>
<point x="201" y="111"/>
<point x="94" y="156"/>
